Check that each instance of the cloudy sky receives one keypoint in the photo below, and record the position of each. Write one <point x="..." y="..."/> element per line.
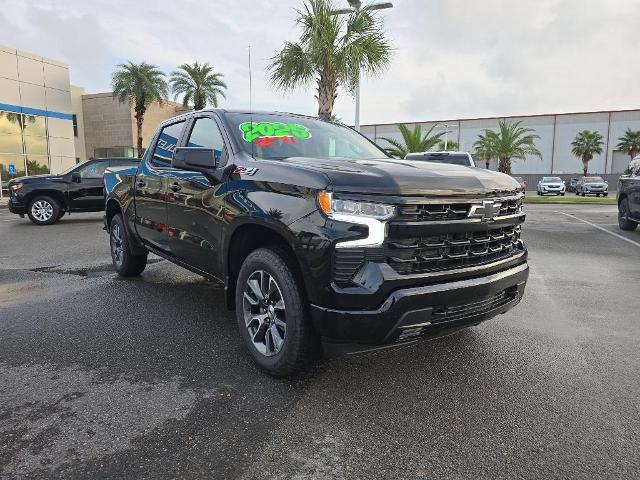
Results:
<point x="453" y="58"/>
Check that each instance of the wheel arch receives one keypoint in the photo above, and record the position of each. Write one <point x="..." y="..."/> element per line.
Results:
<point x="55" y="194"/>
<point x="111" y="209"/>
<point x="248" y="237"/>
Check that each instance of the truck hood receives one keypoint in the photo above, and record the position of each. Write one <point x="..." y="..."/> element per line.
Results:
<point x="407" y="177"/>
<point x="36" y="178"/>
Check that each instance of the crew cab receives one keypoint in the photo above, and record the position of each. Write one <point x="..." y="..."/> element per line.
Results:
<point x="323" y="242"/>
<point x="628" y="196"/>
<point x="47" y="198"/>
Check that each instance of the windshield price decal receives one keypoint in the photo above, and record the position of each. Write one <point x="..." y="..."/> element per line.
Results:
<point x="265" y="134"/>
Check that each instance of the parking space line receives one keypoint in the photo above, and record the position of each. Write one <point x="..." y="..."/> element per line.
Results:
<point x="601" y="228"/>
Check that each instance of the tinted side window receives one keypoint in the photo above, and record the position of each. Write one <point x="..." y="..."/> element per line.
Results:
<point x="93" y="170"/>
<point x="206" y="134"/>
<point x="167" y="142"/>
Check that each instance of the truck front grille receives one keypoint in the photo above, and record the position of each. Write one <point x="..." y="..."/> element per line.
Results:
<point x="433" y="253"/>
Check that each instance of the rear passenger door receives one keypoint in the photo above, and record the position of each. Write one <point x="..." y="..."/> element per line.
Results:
<point x="88" y="194"/>
<point x="195" y="208"/>
<point x="151" y="186"/>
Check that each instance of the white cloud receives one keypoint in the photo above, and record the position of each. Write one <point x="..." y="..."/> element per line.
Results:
<point x="454" y="58"/>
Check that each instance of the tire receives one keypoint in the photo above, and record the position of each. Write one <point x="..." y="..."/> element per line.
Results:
<point x="623" y="216"/>
<point x="126" y="263"/>
<point x="62" y="213"/>
<point x="562" y="194"/>
<point x="272" y="313"/>
<point x="44" y="210"/>
<point x="584" y="194"/>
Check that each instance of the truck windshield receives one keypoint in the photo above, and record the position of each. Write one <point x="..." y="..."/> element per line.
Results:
<point x="593" y="180"/>
<point x="280" y="136"/>
<point x="551" y="180"/>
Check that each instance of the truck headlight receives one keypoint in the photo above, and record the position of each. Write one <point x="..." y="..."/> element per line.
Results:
<point x="335" y="206"/>
<point x="370" y="214"/>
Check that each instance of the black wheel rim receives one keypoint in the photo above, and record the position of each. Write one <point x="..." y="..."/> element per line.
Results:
<point x="264" y="313"/>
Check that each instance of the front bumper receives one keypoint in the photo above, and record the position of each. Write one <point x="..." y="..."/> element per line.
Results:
<point x="16" y="206"/>
<point x="424" y="311"/>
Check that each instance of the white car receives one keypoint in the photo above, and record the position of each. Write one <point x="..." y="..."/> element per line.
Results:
<point x="551" y="185"/>
<point x="455" y="158"/>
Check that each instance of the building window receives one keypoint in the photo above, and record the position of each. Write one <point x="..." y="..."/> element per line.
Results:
<point x="109" y="152"/>
<point x="24" y="146"/>
<point x="75" y="125"/>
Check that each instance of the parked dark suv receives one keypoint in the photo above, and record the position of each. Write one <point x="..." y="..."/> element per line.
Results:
<point x="320" y="238"/>
<point x="629" y="196"/>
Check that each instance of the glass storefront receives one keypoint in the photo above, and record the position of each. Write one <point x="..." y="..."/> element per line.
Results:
<point x="24" y="148"/>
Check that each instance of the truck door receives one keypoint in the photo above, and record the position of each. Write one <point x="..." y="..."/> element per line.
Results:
<point x="194" y="205"/>
<point x="151" y="187"/>
<point x="86" y="189"/>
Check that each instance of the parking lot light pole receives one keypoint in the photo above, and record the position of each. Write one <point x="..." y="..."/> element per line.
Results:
<point x="355" y="6"/>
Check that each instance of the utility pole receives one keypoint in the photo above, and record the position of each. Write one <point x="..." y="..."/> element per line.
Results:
<point x="355" y="6"/>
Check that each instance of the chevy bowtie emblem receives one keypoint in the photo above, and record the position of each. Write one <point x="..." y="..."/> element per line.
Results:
<point x="486" y="212"/>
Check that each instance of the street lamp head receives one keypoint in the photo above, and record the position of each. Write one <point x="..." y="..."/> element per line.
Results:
<point x="355" y="4"/>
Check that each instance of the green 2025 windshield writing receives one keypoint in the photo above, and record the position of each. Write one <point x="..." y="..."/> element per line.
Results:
<point x="265" y="133"/>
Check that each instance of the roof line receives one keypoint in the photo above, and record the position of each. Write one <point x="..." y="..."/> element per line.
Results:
<point x="498" y="117"/>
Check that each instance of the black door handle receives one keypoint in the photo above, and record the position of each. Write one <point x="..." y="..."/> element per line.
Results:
<point x="140" y="183"/>
<point x="175" y="187"/>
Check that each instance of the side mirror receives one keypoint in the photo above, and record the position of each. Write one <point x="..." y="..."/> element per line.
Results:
<point x="75" y="177"/>
<point x="196" y="159"/>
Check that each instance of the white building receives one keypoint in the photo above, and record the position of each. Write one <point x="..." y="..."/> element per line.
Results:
<point x="556" y="132"/>
<point x="36" y="116"/>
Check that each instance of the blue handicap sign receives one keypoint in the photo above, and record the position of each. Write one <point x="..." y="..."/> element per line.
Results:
<point x="12" y="169"/>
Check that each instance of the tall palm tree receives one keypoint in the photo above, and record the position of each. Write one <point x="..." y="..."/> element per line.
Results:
<point x="448" y="146"/>
<point x="414" y="141"/>
<point x="630" y="143"/>
<point x="139" y="84"/>
<point x="511" y="141"/>
<point x="331" y="51"/>
<point x="587" y="144"/>
<point x="198" y="83"/>
<point x="483" y="149"/>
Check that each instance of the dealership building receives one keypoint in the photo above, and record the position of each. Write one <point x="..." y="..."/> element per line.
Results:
<point x="48" y="125"/>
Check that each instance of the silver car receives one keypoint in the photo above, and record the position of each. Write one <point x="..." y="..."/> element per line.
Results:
<point x="551" y="186"/>
<point x="592" y="186"/>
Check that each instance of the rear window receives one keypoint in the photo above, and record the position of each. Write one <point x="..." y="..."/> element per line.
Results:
<point x="551" y="180"/>
<point x="454" y="159"/>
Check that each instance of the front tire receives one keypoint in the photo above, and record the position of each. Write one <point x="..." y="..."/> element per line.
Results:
<point x="44" y="210"/>
<point x="272" y="313"/>
<point x="623" y="216"/>
<point x="126" y="263"/>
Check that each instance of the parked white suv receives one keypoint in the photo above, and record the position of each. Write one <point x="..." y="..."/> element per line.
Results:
<point x="551" y="185"/>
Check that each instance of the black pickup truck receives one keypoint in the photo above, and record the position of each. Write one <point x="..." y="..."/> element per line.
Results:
<point x="46" y="198"/>
<point x="321" y="240"/>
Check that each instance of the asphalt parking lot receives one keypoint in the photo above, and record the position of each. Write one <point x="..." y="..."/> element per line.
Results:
<point x="102" y="377"/>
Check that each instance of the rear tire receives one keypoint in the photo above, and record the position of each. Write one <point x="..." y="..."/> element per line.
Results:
<point x="272" y="313"/>
<point x="126" y="263"/>
<point x="623" y="216"/>
<point x="44" y="210"/>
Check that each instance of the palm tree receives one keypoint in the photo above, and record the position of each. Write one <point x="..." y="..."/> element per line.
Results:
<point x="140" y="84"/>
<point x="331" y="52"/>
<point x="483" y="149"/>
<point x="630" y="143"/>
<point x="511" y="141"/>
<point x="448" y="146"/>
<point x="414" y="141"/>
<point x="197" y="83"/>
<point x="587" y="144"/>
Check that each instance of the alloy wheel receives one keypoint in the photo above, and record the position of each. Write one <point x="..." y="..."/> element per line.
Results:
<point x="264" y="313"/>
<point x="42" y="210"/>
<point x="117" y="249"/>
